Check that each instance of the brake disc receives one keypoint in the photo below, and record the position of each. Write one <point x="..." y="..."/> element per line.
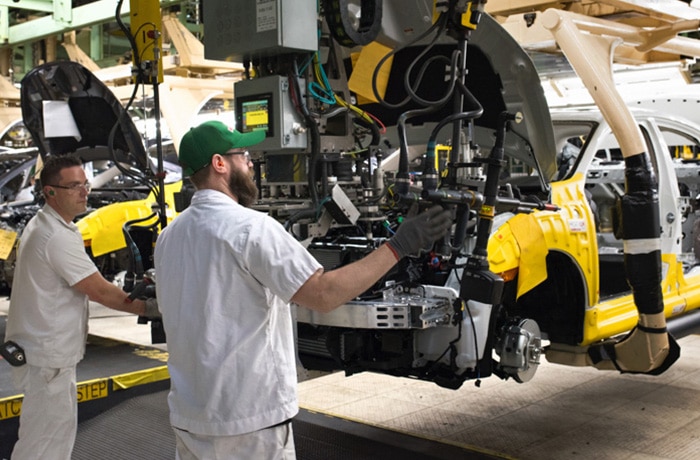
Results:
<point x="520" y="349"/>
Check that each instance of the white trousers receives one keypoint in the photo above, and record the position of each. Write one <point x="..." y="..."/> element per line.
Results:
<point x="276" y="443"/>
<point x="49" y="419"/>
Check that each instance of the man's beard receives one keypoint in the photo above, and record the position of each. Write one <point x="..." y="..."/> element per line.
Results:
<point x="242" y="187"/>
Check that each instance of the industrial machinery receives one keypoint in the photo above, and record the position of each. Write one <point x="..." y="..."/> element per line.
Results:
<point x="326" y="102"/>
<point x="373" y="111"/>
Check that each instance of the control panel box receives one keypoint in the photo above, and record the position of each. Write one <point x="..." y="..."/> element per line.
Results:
<point x="246" y="30"/>
<point x="265" y="104"/>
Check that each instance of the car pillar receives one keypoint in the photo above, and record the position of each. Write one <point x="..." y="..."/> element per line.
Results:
<point x="648" y="348"/>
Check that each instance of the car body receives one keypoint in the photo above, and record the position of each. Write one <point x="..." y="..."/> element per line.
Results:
<point x="113" y="201"/>
<point x="554" y="283"/>
<point x="583" y="295"/>
<point x="117" y="164"/>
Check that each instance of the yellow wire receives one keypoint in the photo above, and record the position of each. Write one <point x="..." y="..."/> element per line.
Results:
<point x="339" y="100"/>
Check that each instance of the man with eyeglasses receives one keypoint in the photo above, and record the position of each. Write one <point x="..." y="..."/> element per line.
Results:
<point x="226" y="274"/>
<point x="54" y="279"/>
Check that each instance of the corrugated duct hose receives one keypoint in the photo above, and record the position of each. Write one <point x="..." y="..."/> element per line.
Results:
<point x="648" y="348"/>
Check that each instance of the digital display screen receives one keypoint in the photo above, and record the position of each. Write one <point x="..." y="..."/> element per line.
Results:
<point x="255" y="114"/>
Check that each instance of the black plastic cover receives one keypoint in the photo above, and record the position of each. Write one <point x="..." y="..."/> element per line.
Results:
<point x="94" y="107"/>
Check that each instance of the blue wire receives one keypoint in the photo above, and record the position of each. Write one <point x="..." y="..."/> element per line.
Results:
<point x="312" y="85"/>
<point x="387" y="226"/>
<point x="320" y="206"/>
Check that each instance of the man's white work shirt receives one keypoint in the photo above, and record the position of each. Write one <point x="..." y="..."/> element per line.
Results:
<point x="224" y="277"/>
<point x="47" y="317"/>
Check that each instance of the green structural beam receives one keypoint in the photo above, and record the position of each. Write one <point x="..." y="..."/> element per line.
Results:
<point x="96" y="43"/>
<point x="4" y="23"/>
<point x="47" y="6"/>
<point x="62" y="18"/>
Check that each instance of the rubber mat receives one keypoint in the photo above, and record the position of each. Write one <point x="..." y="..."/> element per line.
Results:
<point x="323" y="437"/>
<point x="138" y="428"/>
<point x="103" y="358"/>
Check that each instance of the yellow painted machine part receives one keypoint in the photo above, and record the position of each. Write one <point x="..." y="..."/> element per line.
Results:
<point x="465" y="20"/>
<point x="102" y="228"/>
<point x="147" y="28"/>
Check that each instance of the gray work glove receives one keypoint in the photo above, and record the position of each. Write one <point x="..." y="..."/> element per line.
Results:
<point x="152" y="308"/>
<point x="420" y="232"/>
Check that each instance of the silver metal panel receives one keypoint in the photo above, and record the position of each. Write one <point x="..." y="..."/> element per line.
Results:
<point x="246" y="29"/>
<point x="413" y="314"/>
<point x="359" y="315"/>
<point x="341" y="208"/>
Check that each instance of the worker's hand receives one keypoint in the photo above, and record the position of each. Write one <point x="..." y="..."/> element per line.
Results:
<point x="420" y="232"/>
<point x="143" y="290"/>
<point x="151" y="310"/>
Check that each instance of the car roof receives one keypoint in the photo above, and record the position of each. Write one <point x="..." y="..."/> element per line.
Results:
<point x="593" y="114"/>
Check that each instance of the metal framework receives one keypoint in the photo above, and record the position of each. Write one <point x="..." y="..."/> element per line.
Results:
<point x="50" y="17"/>
<point x="649" y="30"/>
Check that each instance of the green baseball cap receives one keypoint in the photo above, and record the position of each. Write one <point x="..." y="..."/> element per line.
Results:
<point x="199" y="144"/>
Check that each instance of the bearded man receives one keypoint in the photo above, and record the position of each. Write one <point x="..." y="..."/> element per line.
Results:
<point x="226" y="275"/>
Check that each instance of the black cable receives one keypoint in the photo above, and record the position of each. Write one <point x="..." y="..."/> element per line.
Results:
<point x="476" y="342"/>
<point x="127" y="32"/>
<point x="419" y="79"/>
<point x="402" y="174"/>
<point x="309" y="213"/>
<point x="449" y="347"/>
<point x="439" y="25"/>
<point x="315" y="136"/>
<point x="137" y="64"/>
<point x="450" y="118"/>
<point x="136" y="263"/>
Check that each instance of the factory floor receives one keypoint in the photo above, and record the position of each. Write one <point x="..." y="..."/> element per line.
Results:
<point x="562" y="412"/>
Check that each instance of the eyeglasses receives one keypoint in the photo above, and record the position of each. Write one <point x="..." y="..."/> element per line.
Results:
<point x="245" y="153"/>
<point x="73" y="188"/>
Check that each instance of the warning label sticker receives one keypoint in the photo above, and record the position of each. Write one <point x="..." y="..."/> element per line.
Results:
<point x="266" y="15"/>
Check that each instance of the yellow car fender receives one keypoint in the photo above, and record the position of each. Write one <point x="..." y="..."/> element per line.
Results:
<point x="521" y="244"/>
<point x="102" y="228"/>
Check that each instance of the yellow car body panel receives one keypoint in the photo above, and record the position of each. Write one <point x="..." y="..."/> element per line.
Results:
<point x="619" y="314"/>
<point x="571" y="231"/>
<point x="102" y="228"/>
